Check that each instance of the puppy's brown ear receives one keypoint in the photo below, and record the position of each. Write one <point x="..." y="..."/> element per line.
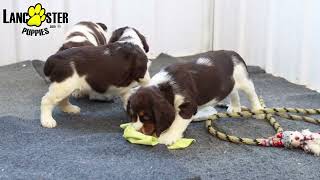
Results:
<point x="103" y="26"/>
<point x="128" y="107"/>
<point x="140" y="65"/>
<point x="116" y="35"/>
<point x="188" y="109"/>
<point x="143" y="40"/>
<point x="164" y="114"/>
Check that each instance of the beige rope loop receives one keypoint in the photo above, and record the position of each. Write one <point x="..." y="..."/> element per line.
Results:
<point x="268" y="116"/>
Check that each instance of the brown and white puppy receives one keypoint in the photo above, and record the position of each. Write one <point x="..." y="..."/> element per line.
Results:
<point x="111" y="69"/>
<point x="86" y="33"/>
<point x="171" y="100"/>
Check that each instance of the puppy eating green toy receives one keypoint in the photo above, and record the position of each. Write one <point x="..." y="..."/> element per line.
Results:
<point x="135" y="137"/>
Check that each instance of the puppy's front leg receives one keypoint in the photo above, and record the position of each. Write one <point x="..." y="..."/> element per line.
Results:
<point x="175" y="131"/>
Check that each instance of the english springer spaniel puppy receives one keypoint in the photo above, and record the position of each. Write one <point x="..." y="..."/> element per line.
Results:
<point x="111" y="69"/>
<point x="86" y="33"/>
<point x="170" y="101"/>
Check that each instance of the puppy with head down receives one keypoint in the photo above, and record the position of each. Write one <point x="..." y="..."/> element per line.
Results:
<point x="111" y="70"/>
<point x="173" y="97"/>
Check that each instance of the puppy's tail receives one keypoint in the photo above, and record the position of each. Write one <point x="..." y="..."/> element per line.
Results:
<point x="239" y="59"/>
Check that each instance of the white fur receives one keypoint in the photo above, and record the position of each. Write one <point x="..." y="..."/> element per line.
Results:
<point x="76" y="39"/>
<point x="86" y="31"/>
<point x="175" y="132"/>
<point x="234" y="102"/>
<point x="178" y="126"/>
<point x="57" y="93"/>
<point x="100" y="97"/>
<point x="204" y="113"/>
<point x="78" y="94"/>
<point x="67" y="107"/>
<point x="106" y="52"/>
<point x="178" y="100"/>
<point x="137" y="125"/>
<point x="134" y="38"/>
<point x="242" y="82"/>
<point x="159" y="78"/>
<point x="204" y="61"/>
<point x="104" y="32"/>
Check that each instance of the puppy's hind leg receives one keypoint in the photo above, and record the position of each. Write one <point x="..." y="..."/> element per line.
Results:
<point x="94" y="96"/>
<point x="57" y="92"/>
<point x="244" y="83"/>
<point x="67" y="107"/>
<point x="249" y="90"/>
<point x="234" y="102"/>
<point x="79" y="94"/>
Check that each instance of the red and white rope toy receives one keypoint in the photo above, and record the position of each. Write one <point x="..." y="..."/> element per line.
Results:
<point x="306" y="140"/>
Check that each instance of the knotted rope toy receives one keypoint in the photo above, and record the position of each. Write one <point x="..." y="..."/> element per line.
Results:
<point x="135" y="137"/>
<point x="306" y="140"/>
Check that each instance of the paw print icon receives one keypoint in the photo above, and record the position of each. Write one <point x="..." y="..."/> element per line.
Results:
<point x="36" y="14"/>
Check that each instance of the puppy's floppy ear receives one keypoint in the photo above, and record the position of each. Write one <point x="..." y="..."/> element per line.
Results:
<point x="140" y="66"/>
<point x="128" y="106"/>
<point x="143" y="40"/>
<point x="103" y="26"/>
<point x="164" y="114"/>
<point x="116" y="35"/>
<point x="188" y="109"/>
<point x="137" y="65"/>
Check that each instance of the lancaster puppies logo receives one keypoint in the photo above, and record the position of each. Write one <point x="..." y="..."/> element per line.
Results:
<point x="37" y="19"/>
<point x="37" y="15"/>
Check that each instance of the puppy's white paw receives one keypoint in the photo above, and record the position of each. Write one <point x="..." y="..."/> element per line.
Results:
<point x="71" y="109"/>
<point x="48" y="122"/>
<point x="78" y="94"/>
<point x="169" y="138"/>
<point x="233" y="109"/>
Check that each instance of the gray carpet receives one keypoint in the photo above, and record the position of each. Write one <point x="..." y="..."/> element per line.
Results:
<point x="90" y="145"/>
